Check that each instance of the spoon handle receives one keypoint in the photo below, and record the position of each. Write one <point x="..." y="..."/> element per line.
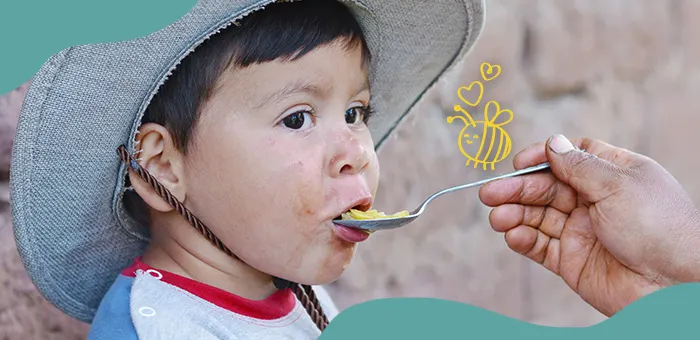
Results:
<point x="512" y="174"/>
<point x="478" y="183"/>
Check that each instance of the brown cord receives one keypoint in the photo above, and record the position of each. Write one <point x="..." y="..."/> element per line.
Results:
<point x="311" y="308"/>
<point x="314" y="300"/>
<point x="304" y="293"/>
<point x="170" y="199"/>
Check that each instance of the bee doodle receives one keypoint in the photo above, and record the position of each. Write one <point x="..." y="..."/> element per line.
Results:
<point x="483" y="142"/>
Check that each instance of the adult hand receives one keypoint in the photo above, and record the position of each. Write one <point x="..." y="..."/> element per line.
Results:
<point x="613" y="224"/>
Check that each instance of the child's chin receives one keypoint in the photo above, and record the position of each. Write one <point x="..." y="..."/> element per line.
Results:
<point x="327" y="279"/>
<point x="331" y="271"/>
<point x="328" y="264"/>
<point x="323" y="279"/>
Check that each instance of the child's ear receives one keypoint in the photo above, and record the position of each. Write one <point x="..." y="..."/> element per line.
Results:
<point x="159" y="156"/>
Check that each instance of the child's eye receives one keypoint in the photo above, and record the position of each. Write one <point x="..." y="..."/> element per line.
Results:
<point x="297" y="120"/>
<point x="356" y="115"/>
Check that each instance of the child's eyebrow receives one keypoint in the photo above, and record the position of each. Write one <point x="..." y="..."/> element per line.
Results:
<point x="301" y="86"/>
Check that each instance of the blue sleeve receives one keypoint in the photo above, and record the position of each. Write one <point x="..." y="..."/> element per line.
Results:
<point x="113" y="317"/>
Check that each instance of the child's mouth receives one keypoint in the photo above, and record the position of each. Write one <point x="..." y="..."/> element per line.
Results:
<point x="348" y="234"/>
<point x="351" y="235"/>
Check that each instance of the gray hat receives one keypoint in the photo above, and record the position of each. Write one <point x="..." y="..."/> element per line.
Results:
<point x="67" y="181"/>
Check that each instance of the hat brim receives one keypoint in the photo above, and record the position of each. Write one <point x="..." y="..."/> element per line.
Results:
<point x="72" y="232"/>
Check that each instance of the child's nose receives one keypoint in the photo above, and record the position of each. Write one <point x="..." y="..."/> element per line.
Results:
<point x="349" y="155"/>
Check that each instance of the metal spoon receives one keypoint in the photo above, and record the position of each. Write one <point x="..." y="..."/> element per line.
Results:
<point x="392" y="223"/>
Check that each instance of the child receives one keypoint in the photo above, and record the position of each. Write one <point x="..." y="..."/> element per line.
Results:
<point x="246" y="133"/>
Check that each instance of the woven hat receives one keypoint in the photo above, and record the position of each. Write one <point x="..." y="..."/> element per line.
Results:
<point x="67" y="182"/>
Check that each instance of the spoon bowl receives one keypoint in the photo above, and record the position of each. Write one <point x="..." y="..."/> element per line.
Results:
<point x="379" y="223"/>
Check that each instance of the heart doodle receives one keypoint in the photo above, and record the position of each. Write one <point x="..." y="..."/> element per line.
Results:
<point x="468" y="89"/>
<point x="492" y="70"/>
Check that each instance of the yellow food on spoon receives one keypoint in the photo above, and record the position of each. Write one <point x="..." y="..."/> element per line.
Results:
<point x="355" y="214"/>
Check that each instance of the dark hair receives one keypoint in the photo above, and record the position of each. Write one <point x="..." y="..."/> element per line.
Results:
<point x="285" y="30"/>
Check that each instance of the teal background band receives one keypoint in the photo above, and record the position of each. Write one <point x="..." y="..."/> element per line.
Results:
<point x="671" y="313"/>
<point x="32" y="30"/>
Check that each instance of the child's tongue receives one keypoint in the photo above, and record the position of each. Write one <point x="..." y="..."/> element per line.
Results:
<point x="350" y="234"/>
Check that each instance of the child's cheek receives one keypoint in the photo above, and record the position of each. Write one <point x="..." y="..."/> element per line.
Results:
<point x="297" y="256"/>
<point x="374" y="174"/>
<point x="308" y="194"/>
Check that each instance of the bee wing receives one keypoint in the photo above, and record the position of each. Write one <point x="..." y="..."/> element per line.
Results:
<point x="495" y="115"/>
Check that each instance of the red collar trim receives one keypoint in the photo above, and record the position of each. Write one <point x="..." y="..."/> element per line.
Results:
<point x="275" y="306"/>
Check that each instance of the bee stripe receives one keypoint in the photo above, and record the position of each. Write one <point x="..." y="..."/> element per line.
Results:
<point x="481" y="146"/>
<point x="500" y="148"/>
<point x="493" y="139"/>
<point x="509" y="145"/>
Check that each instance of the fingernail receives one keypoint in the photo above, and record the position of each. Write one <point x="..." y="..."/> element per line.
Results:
<point x="560" y="144"/>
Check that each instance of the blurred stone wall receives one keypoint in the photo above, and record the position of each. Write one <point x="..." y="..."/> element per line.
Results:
<point x="625" y="71"/>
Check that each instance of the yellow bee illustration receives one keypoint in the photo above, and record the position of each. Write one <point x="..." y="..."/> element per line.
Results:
<point x="484" y="142"/>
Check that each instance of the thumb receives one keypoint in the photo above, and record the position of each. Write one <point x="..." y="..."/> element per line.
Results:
<point x="592" y="177"/>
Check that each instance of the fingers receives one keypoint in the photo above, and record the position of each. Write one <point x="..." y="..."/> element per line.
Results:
<point x="565" y="255"/>
<point x="535" y="154"/>
<point x="538" y="189"/>
<point x="509" y="216"/>
<point x="578" y="242"/>
<point x="535" y="245"/>
<point x="530" y="156"/>
<point x="531" y="231"/>
<point x="524" y="239"/>
<point x="618" y="156"/>
<point x="545" y="215"/>
<point x="592" y="177"/>
<point x="548" y="220"/>
<point x="595" y="174"/>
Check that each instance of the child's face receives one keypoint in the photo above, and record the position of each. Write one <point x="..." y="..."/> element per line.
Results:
<point x="269" y="182"/>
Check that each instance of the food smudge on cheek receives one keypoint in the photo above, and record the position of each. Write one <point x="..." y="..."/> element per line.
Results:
<point x="339" y="252"/>
<point x="337" y="258"/>
<point x="305" y="200"/>
<point x="308" y="194"/>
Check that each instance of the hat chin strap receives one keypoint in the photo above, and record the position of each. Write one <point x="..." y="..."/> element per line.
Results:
<point x="304" y="293"/>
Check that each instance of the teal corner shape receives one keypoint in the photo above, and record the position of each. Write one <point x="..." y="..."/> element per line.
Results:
<point x="33" y="30"/>
<point x="670" y="313"/>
